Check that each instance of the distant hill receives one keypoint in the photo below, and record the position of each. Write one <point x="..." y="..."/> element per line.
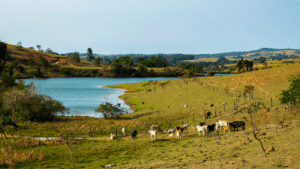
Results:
<point x="236" y="55"/>
<point x="239" y="53"/>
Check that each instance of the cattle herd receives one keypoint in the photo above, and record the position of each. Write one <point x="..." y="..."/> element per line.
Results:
<point x="207" y="130"/>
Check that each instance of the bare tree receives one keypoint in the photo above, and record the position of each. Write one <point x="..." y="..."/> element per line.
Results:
<point x="65" y="133"/>
<point x="251" y="112"/>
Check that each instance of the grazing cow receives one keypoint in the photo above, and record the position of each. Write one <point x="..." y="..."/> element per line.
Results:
<point x="143" y="103"/>
<point x="207" y="115"/>
<point x="171" y="132"/>
<point x="222" y="123"/>
<point x="185" y="128"/>
<point x="227" y="128"/>
<point x="239" y="124"/>
<point x="201" y="123"/>
<point x="185" y="105"/>
<point x="202" y="129"/>
<point x="233" y="125"/>
<point x="112" y="136"/>
<point x="211" y="105"/>
<point x="210" y="129"/>
<point x="179" y="131"/>
<point x="134" y="134"/>
<point x="156" y="127"/>
<point x="153" y="134"/>
<point x="124" y="131"/>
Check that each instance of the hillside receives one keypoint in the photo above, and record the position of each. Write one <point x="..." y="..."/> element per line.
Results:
<point x="162" y="103"/>
<point x="258" y="52"/>
<point x="28" y="64"/>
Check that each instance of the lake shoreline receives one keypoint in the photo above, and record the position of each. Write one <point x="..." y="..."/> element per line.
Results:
<point x="122" y="98"/>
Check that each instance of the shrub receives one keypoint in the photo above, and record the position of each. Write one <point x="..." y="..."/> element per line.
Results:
<point x="37" y="73"/>
<point x="210" y="73"/>
<point x="66" y="71"/>
<point x="21" y="68"/>
<point x="109" y="110"/>
<point x="7" y="121"/>
<point x="31" y="106"/>
<point x="189" y="73"/>
<point x="248" y="88"/>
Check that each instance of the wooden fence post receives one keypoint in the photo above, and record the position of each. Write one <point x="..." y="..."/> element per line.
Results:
<point x="233" y="105"/>
<point x="271" y="102"/>
<point x="283" y="118"/>
<point x="215" y="112"/>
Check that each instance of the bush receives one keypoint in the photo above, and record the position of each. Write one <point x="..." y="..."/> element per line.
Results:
<point x="66" y="71"/>
<point x="7" y="121"/>
<point x="37" y="73"/>
<point x="210" y="73"/>
<point x="110" y="111"/>
<point x="189" y="73"/>
<point x="21" y="68"/>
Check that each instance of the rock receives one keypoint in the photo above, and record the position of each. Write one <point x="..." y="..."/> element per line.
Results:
<point x="270" y="149"/>
<point x="240" y="143"/>
<point x="110" y="165"/>
<point x="262" y="134"/>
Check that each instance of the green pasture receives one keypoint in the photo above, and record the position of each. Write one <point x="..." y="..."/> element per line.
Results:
<point x="163" y="105"/>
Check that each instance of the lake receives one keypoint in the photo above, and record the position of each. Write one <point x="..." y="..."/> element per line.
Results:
<point x="84" y="95"/>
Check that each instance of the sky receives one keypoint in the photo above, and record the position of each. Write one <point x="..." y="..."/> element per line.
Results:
<point x="151" y="26"/>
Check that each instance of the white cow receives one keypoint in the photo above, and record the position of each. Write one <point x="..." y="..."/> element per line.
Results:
<point x="185" y="128"/>
<point x="222" y="123"/>
<point x="202" y="129"/>
<point x="153" y="134"/>
<point x="185" y="105"/>
<point x="156" y="127"/>
<point x="124" y="131"/>
<point x="171" y="132"/>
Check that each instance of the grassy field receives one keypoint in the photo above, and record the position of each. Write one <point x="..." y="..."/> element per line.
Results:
<point x="163" y="105"/>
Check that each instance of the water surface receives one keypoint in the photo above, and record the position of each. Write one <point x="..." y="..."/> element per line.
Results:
<point x="84" y="95"/>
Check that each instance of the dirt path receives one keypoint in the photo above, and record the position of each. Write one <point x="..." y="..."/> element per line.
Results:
<point x="86" y="138"/>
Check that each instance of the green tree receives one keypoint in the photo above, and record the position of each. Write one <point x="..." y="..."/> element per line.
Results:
<point x="48" y="50"/>
<point x="98" y="61"/>
<point x="75" y="57"/>
<point x="291" y="96"/>
<point x="4" y="56"/>
<point x="251" y="64"/>
<point x="90" y="54"/>
<point x="239" y="65"/>
<point x="246" y="64"/>
<point x="261" y="59"/>
<point x="44" y="63"/>
<point x="19" y="44"/>
<point x="109" y="110"/>
<point x="39" y="47"/>
<point x="142" y="69"/>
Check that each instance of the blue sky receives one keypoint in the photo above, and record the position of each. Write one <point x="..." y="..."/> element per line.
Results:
<point x="151" y="26"/>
